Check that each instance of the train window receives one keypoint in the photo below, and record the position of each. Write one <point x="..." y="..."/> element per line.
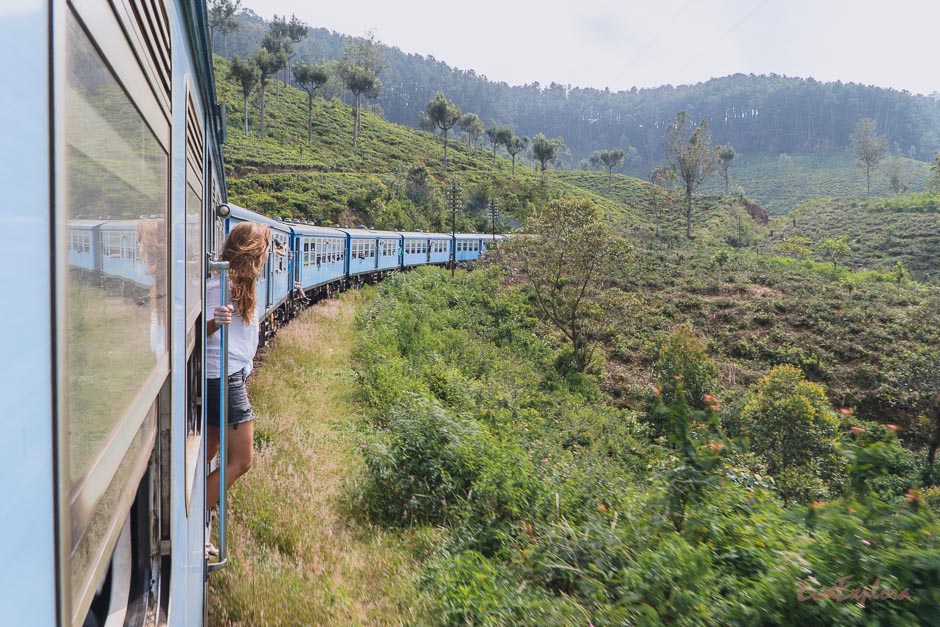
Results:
<point x="195" y="183"/>
<point x="115" y="165"/>
<point x="79" y="241"/>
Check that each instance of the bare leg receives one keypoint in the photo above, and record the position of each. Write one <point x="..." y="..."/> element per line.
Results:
<point x="240" y="455"/>
<point x="212" y="443"/>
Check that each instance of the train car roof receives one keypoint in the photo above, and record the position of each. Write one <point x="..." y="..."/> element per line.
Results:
<point x="247" y="214"/>
<point x="365" y="233"/>
<point x="420" y="235"/>
<point x="472" y="235"/>
<point x="319" y="231"/>
<point x="85" y="224"/>
<point x="123" y="225"/>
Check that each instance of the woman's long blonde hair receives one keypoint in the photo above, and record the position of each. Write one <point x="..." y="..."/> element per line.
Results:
<point x="244" y="250"/>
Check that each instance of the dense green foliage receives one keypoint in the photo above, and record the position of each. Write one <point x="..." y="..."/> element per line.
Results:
<point x="556" y="507"/>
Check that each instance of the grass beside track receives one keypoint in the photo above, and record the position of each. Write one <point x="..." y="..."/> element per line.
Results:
<point x="300" y="551"/>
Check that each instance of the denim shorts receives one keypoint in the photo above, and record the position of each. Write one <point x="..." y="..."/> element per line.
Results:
<point x="239" y="409"/>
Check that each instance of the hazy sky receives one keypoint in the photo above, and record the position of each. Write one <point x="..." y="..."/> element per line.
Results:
<point x="644" y="43"/>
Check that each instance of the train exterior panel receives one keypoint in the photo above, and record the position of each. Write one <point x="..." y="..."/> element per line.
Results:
<point x="319" y="254"/>
<point x="28" y="509"/>
<point x="372" y="251"/>
<point x="424" y="248"/>
<point x="469" y="246"/>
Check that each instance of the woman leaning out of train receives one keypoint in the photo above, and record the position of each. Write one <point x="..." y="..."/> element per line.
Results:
<point x="246" y="249"/>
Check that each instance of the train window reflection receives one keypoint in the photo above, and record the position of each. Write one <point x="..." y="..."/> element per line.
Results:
<point x="116" y="202"/>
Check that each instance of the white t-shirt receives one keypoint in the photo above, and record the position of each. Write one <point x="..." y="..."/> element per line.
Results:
<point x="242" y="338"/>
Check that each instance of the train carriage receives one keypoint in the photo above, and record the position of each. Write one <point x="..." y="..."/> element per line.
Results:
<point x="420" y="248"/>
<point x="115" y="159"/>
<point x="319" y="258"/>
<point x="84" y="245"/>
<point x="468" y="246"/>
<point x="372" y="252"/>
<point x="121" y="256"/>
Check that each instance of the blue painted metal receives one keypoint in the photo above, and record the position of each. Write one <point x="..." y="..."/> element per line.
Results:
<point x="324" y="259"/>
<point x="27" y="511"/>
<point x="384" y="250"/>
<point x="222" y="268"/>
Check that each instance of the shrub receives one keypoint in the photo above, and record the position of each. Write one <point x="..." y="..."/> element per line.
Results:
<point x="683" y="364"/>
<point x="427" y="463"/>
<point x="790" y="425"/>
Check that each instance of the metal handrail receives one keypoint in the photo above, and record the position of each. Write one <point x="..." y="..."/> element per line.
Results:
<point x="222" y="268"/>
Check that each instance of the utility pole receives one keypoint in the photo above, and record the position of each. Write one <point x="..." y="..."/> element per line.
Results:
<point x="494" y="214"/>
<point x="453" y="200"/>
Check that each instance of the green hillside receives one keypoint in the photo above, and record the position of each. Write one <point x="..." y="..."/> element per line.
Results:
<point x="394" y="179"/>
<point x="879" y="232"/>
<point x="779" y="182"/>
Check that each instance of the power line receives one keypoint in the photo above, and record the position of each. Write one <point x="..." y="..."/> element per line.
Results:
<point x="730" y="30"/>
<point x="652" y="41"/>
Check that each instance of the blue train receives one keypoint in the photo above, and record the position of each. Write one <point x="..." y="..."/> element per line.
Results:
<point x="114" y="202"/>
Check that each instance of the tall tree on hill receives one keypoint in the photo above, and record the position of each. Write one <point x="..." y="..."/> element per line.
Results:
<point x="726" y="156"/>
<point x="246" y="73"/>
<point x="296" y="32"/>
<point x="472" y="125"/>
<point x="835" y="248"/>
<point x="544" y="150"/>
<point x="359" y="68"/>
<point x="691" y="157"/>
<point x="662" y="179"/>
<point x="897" y="177"/>
<point x="310" y="77"/>
<point x="514" y="146"/>
<point x="268" y="64"/>
<point x="565" y="264"/>
<point x="608" y="159"/>
<point x="222" y="19"/>
<point x="288" y="34"/>
<point x="868" y="147"/>
<point x="934" y="183"/>
<point x="498" y="136"/>
<point x="277" y="43"/>
<point x="445" y="116"/>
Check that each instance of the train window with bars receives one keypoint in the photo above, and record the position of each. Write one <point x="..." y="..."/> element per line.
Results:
<point x="80" y="241"/>
<point x="280" y="265"/>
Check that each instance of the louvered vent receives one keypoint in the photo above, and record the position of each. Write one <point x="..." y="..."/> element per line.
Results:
<point x="153" y="28"/>
<point x="195" y="140"/>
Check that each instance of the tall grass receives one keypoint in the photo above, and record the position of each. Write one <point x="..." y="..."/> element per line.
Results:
<point x="299" y="552"/>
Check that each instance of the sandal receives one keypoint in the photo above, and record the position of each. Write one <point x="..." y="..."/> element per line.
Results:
<point x="211" y="550"/>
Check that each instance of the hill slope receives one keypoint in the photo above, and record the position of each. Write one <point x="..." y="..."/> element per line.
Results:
<point x="779" y="182"/>
<point x="879" y="232"/>
<point x="394" y="179"/>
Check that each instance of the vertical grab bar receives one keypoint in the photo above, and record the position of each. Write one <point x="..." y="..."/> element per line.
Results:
<point x="222" y="268"/>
